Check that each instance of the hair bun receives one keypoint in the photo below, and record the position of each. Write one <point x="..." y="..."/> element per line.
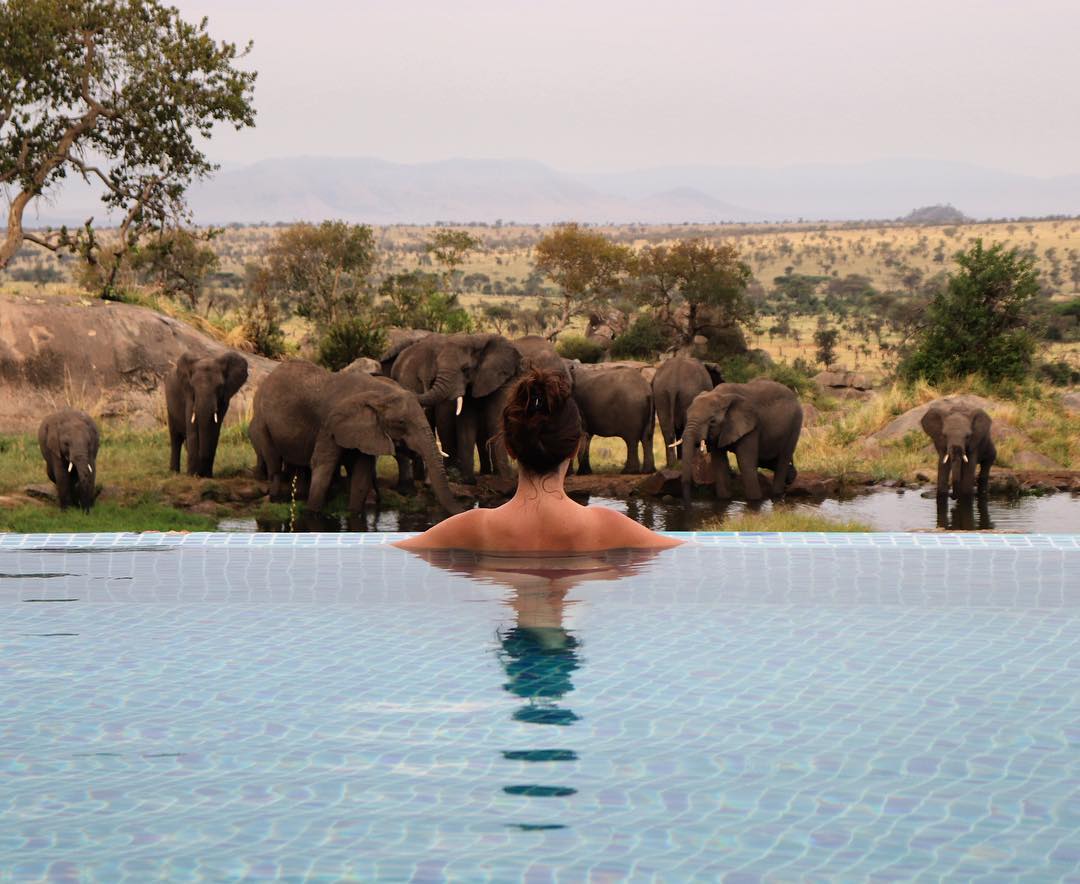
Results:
<point x="541" y="425"/>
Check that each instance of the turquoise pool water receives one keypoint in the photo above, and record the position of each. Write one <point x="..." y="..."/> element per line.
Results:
<point x="328" y="707"/>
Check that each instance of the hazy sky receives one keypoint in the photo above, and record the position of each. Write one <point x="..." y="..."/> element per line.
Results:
<point x="620" y="84"/>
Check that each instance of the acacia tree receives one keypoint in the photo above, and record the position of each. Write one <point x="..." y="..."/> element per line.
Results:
<point x="115" y="91"/>
<point x="694" y="287"/>
<point x="449" y="248"/>
<point x="585" y="264"/>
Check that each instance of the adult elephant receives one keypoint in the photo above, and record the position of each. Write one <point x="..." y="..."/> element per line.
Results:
<point x="308" y="417"/>
<point x="961" y="436"/>
<point x="615" y="401"/>
<point x="538" y="352"/>
<point x="759" y="421"/>
<point x="68" y="440"/>
<point x="463" y="378"/>
<point x="197" y="394"/>
<point x="676" y="382"/>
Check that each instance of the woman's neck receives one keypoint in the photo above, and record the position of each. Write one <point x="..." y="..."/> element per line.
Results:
<point x="534" y="490"/>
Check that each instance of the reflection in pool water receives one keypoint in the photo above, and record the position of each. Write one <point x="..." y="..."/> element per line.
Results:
<point x="885" y="510"/>
<point x="538" y="653"/>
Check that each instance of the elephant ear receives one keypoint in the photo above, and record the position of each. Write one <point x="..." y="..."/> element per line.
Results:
<point x="933" y="423"/>
<point x="980" y="426"/>
<point x="739" y="419"/>
<point x="185" y="364"/>
<point x="235" y="368"/>
<point x="355" y="424"/>
<point x="499" y="362"/>
<point x="715" y="374"/>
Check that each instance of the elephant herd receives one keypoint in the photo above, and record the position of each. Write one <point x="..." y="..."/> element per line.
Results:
<point x="435" y="400"/>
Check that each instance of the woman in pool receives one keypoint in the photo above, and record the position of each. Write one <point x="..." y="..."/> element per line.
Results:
<point x="541" y="427"/>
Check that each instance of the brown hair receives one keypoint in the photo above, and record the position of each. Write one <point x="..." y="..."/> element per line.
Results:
<point x="541" y="424"/>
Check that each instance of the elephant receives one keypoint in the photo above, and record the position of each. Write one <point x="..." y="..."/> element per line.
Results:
<point x="539" y="352"/>
<point x="676" y="382"/>
<point x="463" y="378"/>
<point x="197" y="394"/>
<point x="961" y="434"/>
<point x="615" y="402"/>
<point x="759" y="421"/>
<point x="308" y="417"/>
<point x="69" y="440"/>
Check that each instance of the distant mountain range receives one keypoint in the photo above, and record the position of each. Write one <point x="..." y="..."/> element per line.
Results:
<point x="461" y="190"/>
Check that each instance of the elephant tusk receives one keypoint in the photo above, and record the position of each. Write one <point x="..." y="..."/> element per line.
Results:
<point x="460" y="402"/>
<point x="701" y="446"/>
<point x="90" y="468"/>
<point x="945" y="459"/>
<point x="965" y="458"/>
<point x="676" y="443"/>
<point x="438" y="446"/>
<point x="193" y="417"/>
<point x="71" y="466"/>
<point x="215" y="417"/>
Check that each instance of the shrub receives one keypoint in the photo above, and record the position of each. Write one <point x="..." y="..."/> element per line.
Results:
<point x="579" y="347"/>
<point x="976" y="324"/>
<point x="790" y="376"/>
<point x="1059" y="373"/>
<point x="645" y="338"/>
<point x="348" y="340"/>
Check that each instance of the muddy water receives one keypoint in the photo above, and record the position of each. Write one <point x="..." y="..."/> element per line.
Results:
<point x="883" y="511"/>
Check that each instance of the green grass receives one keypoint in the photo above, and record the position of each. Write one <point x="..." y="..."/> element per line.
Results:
<point x="783" y="519"/>
<point x="107" y="515"/>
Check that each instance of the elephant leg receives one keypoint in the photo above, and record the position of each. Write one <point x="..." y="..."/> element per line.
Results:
<point x="584" y="467"/>
<point x="632" y="465"/>
<point x="62" y="481"/>
<point x="784" y="471"/>
<point x="649" y="466"/>
<point x="721" y="472"/>
<point x="406" y="485"/>
<point x="967" y="478"/>
<point x="176" y="441"/>
<point x="325" y="463"/>
<point x="942" y="478"/>
<point x="361" y="481"/>
<point x="466" y="444"/>
<point x="984" y="477"/>
<point x="747" y="456"/>
<point x="668" y="431"/>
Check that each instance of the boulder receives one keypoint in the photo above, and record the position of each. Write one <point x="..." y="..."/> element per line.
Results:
<point x="1033" y="460"/>
<point x="1071" y="402"/>
<point x="909" y="420"/>
<point x="365" y="364"/>
<point x="660" y="483"/>
<point x="810" y="415"/>
<point x="839" y="377"/>
<point x="106" y="358"/>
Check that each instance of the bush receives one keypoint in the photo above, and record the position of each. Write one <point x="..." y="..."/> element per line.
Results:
<point x="791" y="376"/>
<point x="579" y="347"/>
<point x="977" y="323"/>
<point x="349" y="339"/>
<point x="740" y="369"/>
<point x="1059" y="373"/>
<point x="645" y="339"/>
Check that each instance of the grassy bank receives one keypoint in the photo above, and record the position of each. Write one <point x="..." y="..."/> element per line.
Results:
<point x="781" y="518"/>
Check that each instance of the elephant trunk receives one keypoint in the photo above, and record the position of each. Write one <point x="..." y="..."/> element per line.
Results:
<point x="447" y="384"/>
<point x="956" y="467"/>
<point x="84" y="471"/>
<point x="208" y="425"/>
<point x="422" y="442"/>
<point x="690" y="440"/>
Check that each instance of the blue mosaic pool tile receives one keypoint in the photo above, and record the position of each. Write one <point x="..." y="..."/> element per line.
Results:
<point x="778" y="707"/>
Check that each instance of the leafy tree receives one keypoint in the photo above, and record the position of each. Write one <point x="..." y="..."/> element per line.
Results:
<point x="119" y="92"/>
<point x="645" y="338"/>
<point x="260" y="313"/>
<point x="976" y="323"/>
<point x="579" y="347"/>
<point x="826" y="339"/>
<point x="585" y="264"/>
<point x="177" y="262"/>
<point x="323" y="268"/>
<point x="350" y="338"/>
<point x="449" y="248"/>
<point x="414" y="300"/>
<point x="694" y="287"/>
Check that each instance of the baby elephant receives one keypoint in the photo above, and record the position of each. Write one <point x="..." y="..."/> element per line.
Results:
<point x="961" y="435"/>
<point x="69" y="443"/>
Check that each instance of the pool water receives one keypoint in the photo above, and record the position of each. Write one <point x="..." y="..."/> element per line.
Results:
<point x="209" y="707"/>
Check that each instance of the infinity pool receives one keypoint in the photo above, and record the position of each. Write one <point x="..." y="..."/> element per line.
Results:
<point x="329" y="707"/>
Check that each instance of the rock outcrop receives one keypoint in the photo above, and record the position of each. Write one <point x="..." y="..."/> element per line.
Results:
<point x="106" y="358"/>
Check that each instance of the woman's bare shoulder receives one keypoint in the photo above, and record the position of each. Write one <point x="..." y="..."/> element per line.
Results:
<point x="462" y="531"/>
<point x="617" y="530"/>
